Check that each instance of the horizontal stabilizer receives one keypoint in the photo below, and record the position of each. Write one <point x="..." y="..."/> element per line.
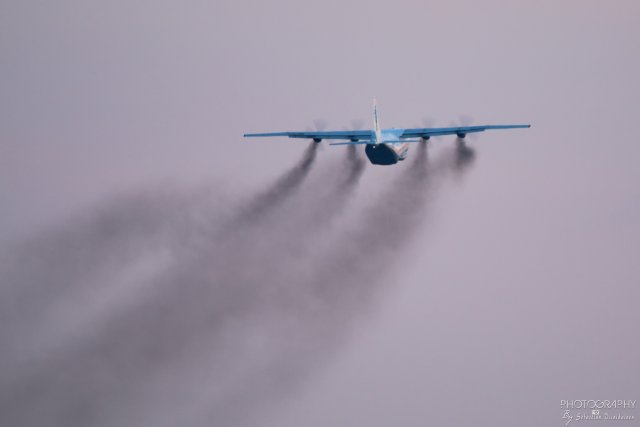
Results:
<point x="341" y="134"/>
<point x="350" y="143"/>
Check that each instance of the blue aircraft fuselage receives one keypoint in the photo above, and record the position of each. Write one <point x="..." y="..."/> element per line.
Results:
<point x="387" y="148"/>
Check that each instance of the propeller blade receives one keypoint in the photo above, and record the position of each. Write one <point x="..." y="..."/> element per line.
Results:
<point x="357" y="124"/>
<point x="428" y="122"/>
<point x="320" y="125"/>
<point x="464" y="120"/>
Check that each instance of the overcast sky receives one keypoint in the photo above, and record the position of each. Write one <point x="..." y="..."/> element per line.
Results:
<point x="519" y="288"/>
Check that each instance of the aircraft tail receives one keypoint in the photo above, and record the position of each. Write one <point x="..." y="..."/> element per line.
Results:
<point x="376" y="122"/>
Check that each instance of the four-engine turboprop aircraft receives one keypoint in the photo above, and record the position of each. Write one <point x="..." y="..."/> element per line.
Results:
<point x="386" y="146"/>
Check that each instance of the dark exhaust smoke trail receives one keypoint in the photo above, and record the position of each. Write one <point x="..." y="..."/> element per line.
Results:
<point x="39" y="278"/>
<point x="367" y="250"/>
<point x="356" y="163"/>
<point x="303" y="321"/>
<point x="72" y="254"/>
<point x="464" y="155"/>
<point x="264" y="307"/>
<point x="205" y="288"/>
<point x="372" y="248"/>
<point x="283" y="188"/>
<point x="335" y="288"/>
<point x="229" y="327"/>
<point x="321" y="207"/>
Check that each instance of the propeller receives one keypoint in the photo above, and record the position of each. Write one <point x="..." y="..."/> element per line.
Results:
<point x="319" y="125"/>
<point x="425" y="122"/>
<point x="428" y="122"/>
<point x="464" y="120"/>
<point x="356" y="124"/>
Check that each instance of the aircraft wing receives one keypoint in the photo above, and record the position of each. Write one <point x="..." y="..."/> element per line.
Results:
<point x="455" y="130"/>
<point x="352" y="135"/>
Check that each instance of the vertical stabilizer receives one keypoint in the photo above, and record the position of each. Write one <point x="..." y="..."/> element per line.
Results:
<point x="376" y="122"/>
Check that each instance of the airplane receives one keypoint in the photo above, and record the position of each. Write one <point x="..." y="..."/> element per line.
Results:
<point x="385" y="146"/>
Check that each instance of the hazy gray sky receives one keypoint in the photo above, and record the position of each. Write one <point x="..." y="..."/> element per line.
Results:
<point x="519" y="288"/>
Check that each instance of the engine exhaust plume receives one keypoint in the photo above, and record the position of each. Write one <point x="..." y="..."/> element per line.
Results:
<point x="240" y="321"/>
<point x="284" y="187"/>
<point x="464" y="155"/>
